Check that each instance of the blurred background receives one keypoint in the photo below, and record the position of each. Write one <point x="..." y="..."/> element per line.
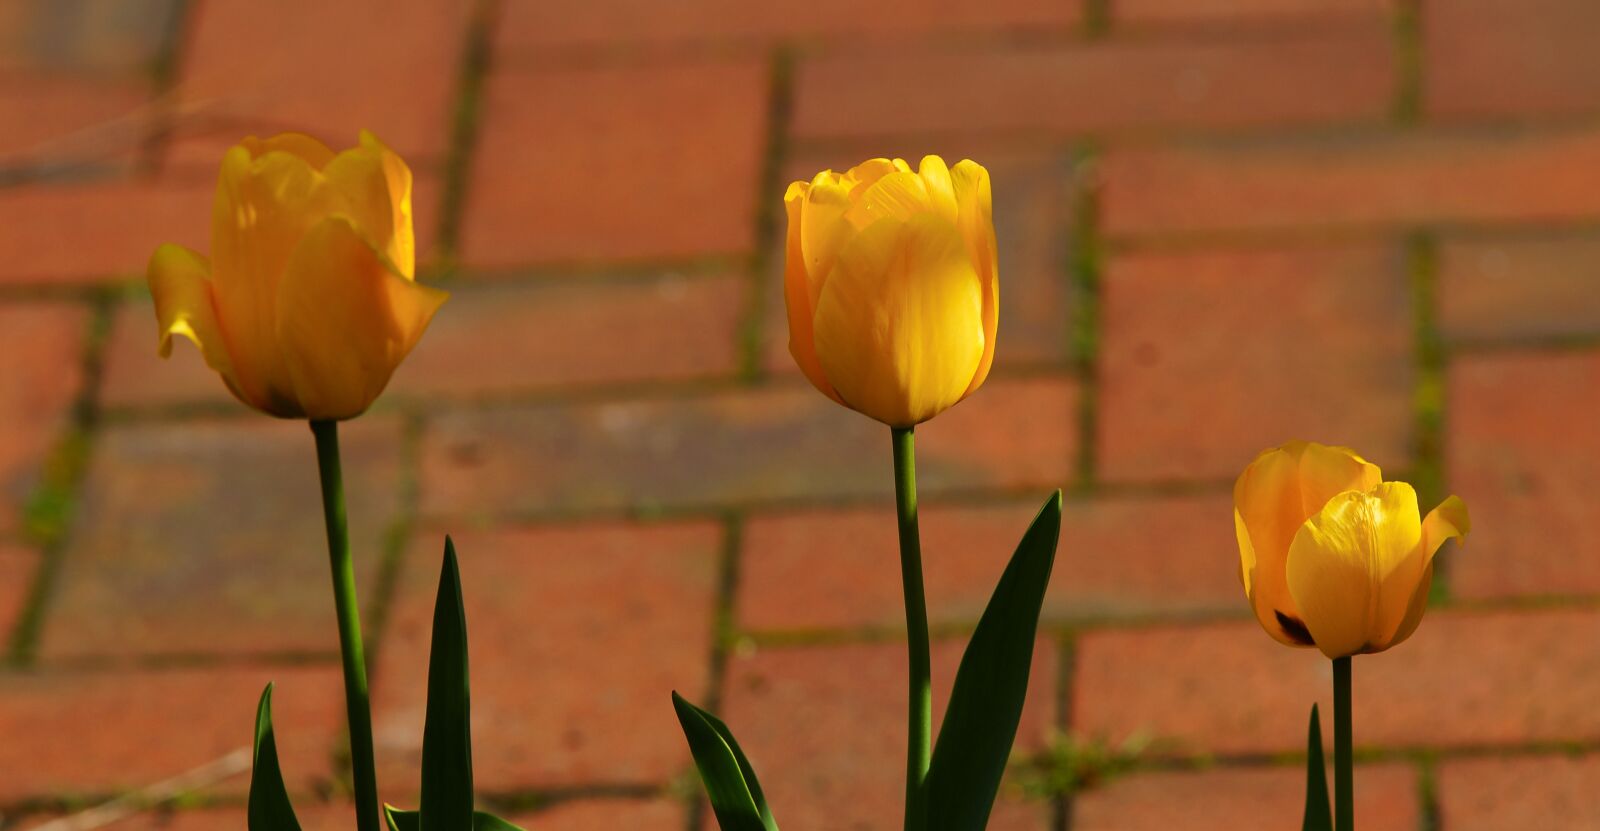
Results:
<point x="1222" y="224"/>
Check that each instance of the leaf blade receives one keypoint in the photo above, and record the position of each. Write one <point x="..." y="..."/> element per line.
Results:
<point x="729" y="779"/>
<point x="269" y="808"/>
<point x="1319" y="809"/>
<point x="446" y="799"/>
<point x="980" y="723"/>
<point x="411" y="821"/>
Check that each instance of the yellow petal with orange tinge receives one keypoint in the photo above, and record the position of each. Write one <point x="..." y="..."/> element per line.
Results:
<point x="797" y="296"/>
<point x="314" y="152"/>
<point x="823" y="228"/>
<point x="975" y="219"/>
<point x="899" y="329"/>
<point x="898" y="195"/>
<point x="180" y="283"/>
<point x="1354" y="568"/>
<point x="936" y="182"/>
<point x="375" y="186"/>
<point x="346" y="320"/>
<point x="1272" y="499"/>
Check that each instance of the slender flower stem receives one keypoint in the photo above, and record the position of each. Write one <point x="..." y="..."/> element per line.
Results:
<point x="1343" y="772"/>
<point x="920" y="716"/>
<point x="358" y="707"/>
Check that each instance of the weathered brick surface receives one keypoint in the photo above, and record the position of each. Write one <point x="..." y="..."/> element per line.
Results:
<point x="327" y="69"/>
<point x="1354" y="182"/>
<point x="1113" y="86"/>
<point x="97" y="230"/>
<point x="43" y="344"/>
<point x="577" y="636"/>
<point x="824" y="727"/>
<point x="207" y="538"/>
<point x="572" y="334"/>
<point x="633" y="161"/>
<point x="533" y="27"/>
<point x="1463" y="680"/>
<point x="61" y="119"/>
<point x="840" y="569"/>
<point x="98" y="732"/>
<point x="99" y="37"/>
<point x="596" y="814"/>
<point x="312" y="815"/>
<point x="1218" y="341"/>
<point x="1032" y="193"/>
<point x="1519" y="287"/>
<point x="1527" y="473"/>
<point x="745" y="447"/>
<point x="1239" y="799"/>
<point x="1546" y="792"/>
<point x="1493" y="59"/>
<point x="1232" y="13"/>
<point x="135" y="375"/>
<point x="19" y="565"/>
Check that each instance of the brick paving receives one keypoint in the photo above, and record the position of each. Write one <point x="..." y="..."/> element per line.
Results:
<point x="1222" y="224"/>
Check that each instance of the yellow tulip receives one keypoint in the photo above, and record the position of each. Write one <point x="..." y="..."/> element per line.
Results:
<point x="1331" y="555"/>
<point x="892" y="286"/>
<point x="309" y="301"/>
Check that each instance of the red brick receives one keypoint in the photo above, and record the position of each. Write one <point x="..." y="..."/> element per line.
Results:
<point x="572" y="334"/>
<point x="19" y="566"/>
<point x="1519" y="287"/>
<point x="1489" y="58"/>
<point x="534" y="27"/>
<point x="1463" y="680"/>
<point x="598" y="814"/>
<point x="734" y="447"/>
<point x="104" y="37"/>
<point x="1353" y="182"/>
<point x="61" y="119"/>
<point x="839" y="569"/>
<point x="135" y="375"/>
<point x="313" y="816"/>
<point x="578" y="635"/>
<point x="95" y="231"/>
<point x="825" y="729"/>
<point x="1231" y="13"/>
<point x="630" y="162"/>
<point x="44" y="343"/>
<point x="207" y="538"/>
<point x="97" y="732"/>
<point x="1112" y="86"/>
<point x="1239" y="799"/>
<point x="1255" y="346"/>
<point x="330" y="69"/>
<point x="1551" y="793"/>
<point x="1032" y="217"/>
<point x="1521" y="453"/>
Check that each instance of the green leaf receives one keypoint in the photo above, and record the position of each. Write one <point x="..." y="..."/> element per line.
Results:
<point x="412" y="821"/>
<point x="1319" y="812"/>
<point x="986" y="703"/>
<point x="447" y="732"/>
<point x="730" y="780"/>
<point x="269" y="808"/>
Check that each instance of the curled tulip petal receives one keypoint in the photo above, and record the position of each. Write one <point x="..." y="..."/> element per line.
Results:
<point x="180" y="282"/>
<point x="899" y="328"/>
<point x="975" y="218"/>
<point x="376" y="189"/>
<point x="346" y="320"/>
<point x="797" y="297"/>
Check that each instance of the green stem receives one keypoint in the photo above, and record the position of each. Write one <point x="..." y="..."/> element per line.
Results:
<point x="920" y="715"/>
<point x="1343" y="771"/>
<point x="357" y="704"/>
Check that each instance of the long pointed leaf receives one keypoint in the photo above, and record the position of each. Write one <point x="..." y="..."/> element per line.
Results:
<point x="730" y="781"/>
<point x="1319" y="811"/>
<point x="412" y="821"/>
<point x="269" y="808"/>
<point x="986" y="702"/>
<point x="447" y="732"/>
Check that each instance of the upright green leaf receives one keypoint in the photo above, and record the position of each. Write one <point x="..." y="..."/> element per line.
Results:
<point x="730" y="780"/>
<point x="1319" y="811"/>
<point x="269" y="808"/>
<point x="980" y="724"/>
<point x="447" y="732"/>
<point x="412" y="821"/>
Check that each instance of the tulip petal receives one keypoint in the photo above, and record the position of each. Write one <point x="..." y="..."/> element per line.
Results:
<point x="823" y="229"/>
<point x="797" y="298"/>
<point x="975" y="218"/>
<point x="939" y="187"/>
<point x="1448" y="520"/>
<point x="376" y="186"/>
<point x="314" y="152"/>
<point x="899" y="327"/>
<point x="264" y="206"/>
<point x="180" y="282"/>
<point x="1272" y="499"/>
<point x="347" y="318"/>
<point x="866" y="174"/>
<point x="1354" y="568"/>
<point x="898" y="195"/>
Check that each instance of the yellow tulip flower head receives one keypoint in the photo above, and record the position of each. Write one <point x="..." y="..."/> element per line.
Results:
<point x="892" y="285"/>
<point x="309" y="300"/>
<point x="1331" y="555"/>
